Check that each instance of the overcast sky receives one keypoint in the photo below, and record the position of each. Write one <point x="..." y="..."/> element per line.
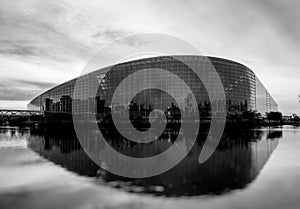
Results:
<point x="44" y="43"/>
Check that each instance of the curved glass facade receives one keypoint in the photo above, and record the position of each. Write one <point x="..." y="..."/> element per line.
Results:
<point x="243" y="89"/>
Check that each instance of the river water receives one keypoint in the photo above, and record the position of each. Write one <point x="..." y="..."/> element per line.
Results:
<point x="257" y="168"/>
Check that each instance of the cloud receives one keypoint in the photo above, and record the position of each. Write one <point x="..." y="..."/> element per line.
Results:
<point x="109" y="34"/>
<point x="22" y="90"/>
<point x="21" y="48"/>
<point x="53" y="40"/>
<point x="137" y="41"/>
<point x="283" y="15"/>
<point x="36" y="84"/>
<point x="14" y="94"/>
<point x="42" y="30"/>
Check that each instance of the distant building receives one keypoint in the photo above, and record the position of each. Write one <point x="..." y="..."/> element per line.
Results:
<point x="243" y="90"/>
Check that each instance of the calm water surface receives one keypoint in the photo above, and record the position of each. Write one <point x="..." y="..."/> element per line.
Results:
<point x="250" y="169"/>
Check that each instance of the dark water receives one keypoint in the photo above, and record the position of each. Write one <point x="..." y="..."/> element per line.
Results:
<point x="46" y="169"/>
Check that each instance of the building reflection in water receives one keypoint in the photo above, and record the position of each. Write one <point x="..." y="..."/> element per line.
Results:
<point x="237" y="161"/>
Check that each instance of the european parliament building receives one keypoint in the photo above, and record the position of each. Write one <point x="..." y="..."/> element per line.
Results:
<point x="243" y="90"/>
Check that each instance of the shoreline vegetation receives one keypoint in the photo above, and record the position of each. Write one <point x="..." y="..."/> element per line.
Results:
<point x="245" y="119"/>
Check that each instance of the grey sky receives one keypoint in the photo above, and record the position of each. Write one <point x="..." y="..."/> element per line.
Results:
<point x="48" y="42"/>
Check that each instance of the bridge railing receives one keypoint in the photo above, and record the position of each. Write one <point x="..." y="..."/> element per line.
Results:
<point x="8" y="112"/>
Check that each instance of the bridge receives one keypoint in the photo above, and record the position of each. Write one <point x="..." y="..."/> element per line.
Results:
<point x="7" y="112"/>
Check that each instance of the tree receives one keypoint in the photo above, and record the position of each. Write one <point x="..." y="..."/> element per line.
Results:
<point x="274" y="116"/>
<point x="295" y="118"/>
<point x="251" y="115"/>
